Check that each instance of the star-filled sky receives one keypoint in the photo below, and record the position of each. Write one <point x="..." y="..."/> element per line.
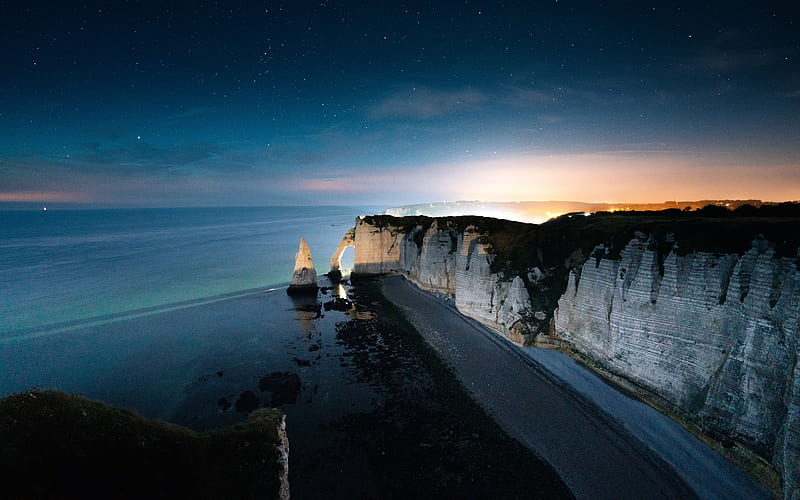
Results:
<point x="134" y="103"/>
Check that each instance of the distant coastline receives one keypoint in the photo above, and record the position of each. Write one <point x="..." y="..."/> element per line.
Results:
<point x="539" y="211"/>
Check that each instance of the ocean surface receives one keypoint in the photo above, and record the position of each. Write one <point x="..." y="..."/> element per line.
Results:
<point x="86" y="295"/>
<point x="58" y="267"/>
<point x="182" y="315"/>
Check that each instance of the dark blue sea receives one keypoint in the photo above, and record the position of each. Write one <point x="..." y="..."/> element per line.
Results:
<point x="134" y="306"/>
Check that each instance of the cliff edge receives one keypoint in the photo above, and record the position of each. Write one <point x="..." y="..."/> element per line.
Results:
<point x="54" y="445"/>
<point x="696" y="310"/>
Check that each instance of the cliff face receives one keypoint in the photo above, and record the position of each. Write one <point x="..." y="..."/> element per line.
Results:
<point x="710" y="331"/>
<point x="714" y="335"/>
<point x="443" y="256"/>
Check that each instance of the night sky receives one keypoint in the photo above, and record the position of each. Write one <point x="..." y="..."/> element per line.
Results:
<point x="271" y="103"/>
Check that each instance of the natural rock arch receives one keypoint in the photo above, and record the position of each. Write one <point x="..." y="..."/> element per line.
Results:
<point x="348" y="240"/>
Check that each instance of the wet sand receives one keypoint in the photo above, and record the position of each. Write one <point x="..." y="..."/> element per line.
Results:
<point x="594" y="455"/>
<point x="418" y="434"/>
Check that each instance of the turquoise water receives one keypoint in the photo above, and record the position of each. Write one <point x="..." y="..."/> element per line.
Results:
<point x="58" y="268"/>
<point x="132" y="307"/>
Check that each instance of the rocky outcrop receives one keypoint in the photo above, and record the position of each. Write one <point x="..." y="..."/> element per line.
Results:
<point x="55" y="445"/>
<point x="377" y="247"/>
<point x="688" y="310"/>
<point x="348" y="240"/>
<point x="284" y="493"/>
<point x="446" y="257"/>
<point x="304" y="277"/>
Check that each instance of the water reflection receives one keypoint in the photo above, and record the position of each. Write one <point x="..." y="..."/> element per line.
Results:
<point x="307" y="310"/>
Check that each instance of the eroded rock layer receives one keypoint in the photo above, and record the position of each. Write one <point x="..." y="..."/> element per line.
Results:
<point x="715" y="335"/>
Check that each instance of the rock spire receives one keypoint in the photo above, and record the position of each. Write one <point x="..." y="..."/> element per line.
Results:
<point x="304" y="278"/>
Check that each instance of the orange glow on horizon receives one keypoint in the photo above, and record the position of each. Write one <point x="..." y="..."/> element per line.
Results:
<point x="43" y="196"/>
<point x="618" y="177"/>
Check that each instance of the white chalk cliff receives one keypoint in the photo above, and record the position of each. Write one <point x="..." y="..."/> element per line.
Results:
<point x="304" y="277"/>
<point x="347" y="241"/>
<point x="711" y="334"/>
<point x="445" y="259"/>
<point x="715" y="335"/>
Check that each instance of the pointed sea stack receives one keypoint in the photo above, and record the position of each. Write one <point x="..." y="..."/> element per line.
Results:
<point x="304" y="279"/>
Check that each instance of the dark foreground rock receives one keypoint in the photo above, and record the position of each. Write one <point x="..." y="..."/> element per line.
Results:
<point x="54" y="445"/>
<point x="284" y="386"/>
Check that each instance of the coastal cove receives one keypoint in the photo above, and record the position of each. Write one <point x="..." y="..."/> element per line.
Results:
<point x="400" y="250"/>
<point x="370" y="409"/>
<point x="391" y="388"/>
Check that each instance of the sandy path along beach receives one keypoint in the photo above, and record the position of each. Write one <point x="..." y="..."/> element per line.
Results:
<point x="594" y="454"/>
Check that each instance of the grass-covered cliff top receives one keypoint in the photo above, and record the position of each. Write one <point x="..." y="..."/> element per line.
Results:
<point x="557" y="241"/>
<point x="54" y="445"/>
<point x="565" y="242"/>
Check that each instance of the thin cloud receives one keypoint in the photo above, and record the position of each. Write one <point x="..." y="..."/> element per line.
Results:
<point x="191" y="112"/>
<point x="718" y="60"/>
<point x="143" y="154"/>
<point x="424" y="103"/>
<point x="524" y="97"/>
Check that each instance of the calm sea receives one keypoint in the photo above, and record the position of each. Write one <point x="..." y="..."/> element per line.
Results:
<point x="63" y="266"/>
<point x="128" y="305"/>
<point x="182" y="315"/>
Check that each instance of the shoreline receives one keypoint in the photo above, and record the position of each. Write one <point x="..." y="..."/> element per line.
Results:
<point x="419" y="432"/>
<point x="746" y="461"/>
<point x="574" y="383"/>
<point x="372" y="411"/>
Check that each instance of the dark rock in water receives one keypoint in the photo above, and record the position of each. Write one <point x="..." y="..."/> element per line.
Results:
<point x="224" y="404"/>
<point x="219" y="373"/>
<point x="301" y="362"/>
<point x="284" y="386"/>
<point x="338" y="304"/>
<point x="247" y="402"/>
<point x="302" y="290"/>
